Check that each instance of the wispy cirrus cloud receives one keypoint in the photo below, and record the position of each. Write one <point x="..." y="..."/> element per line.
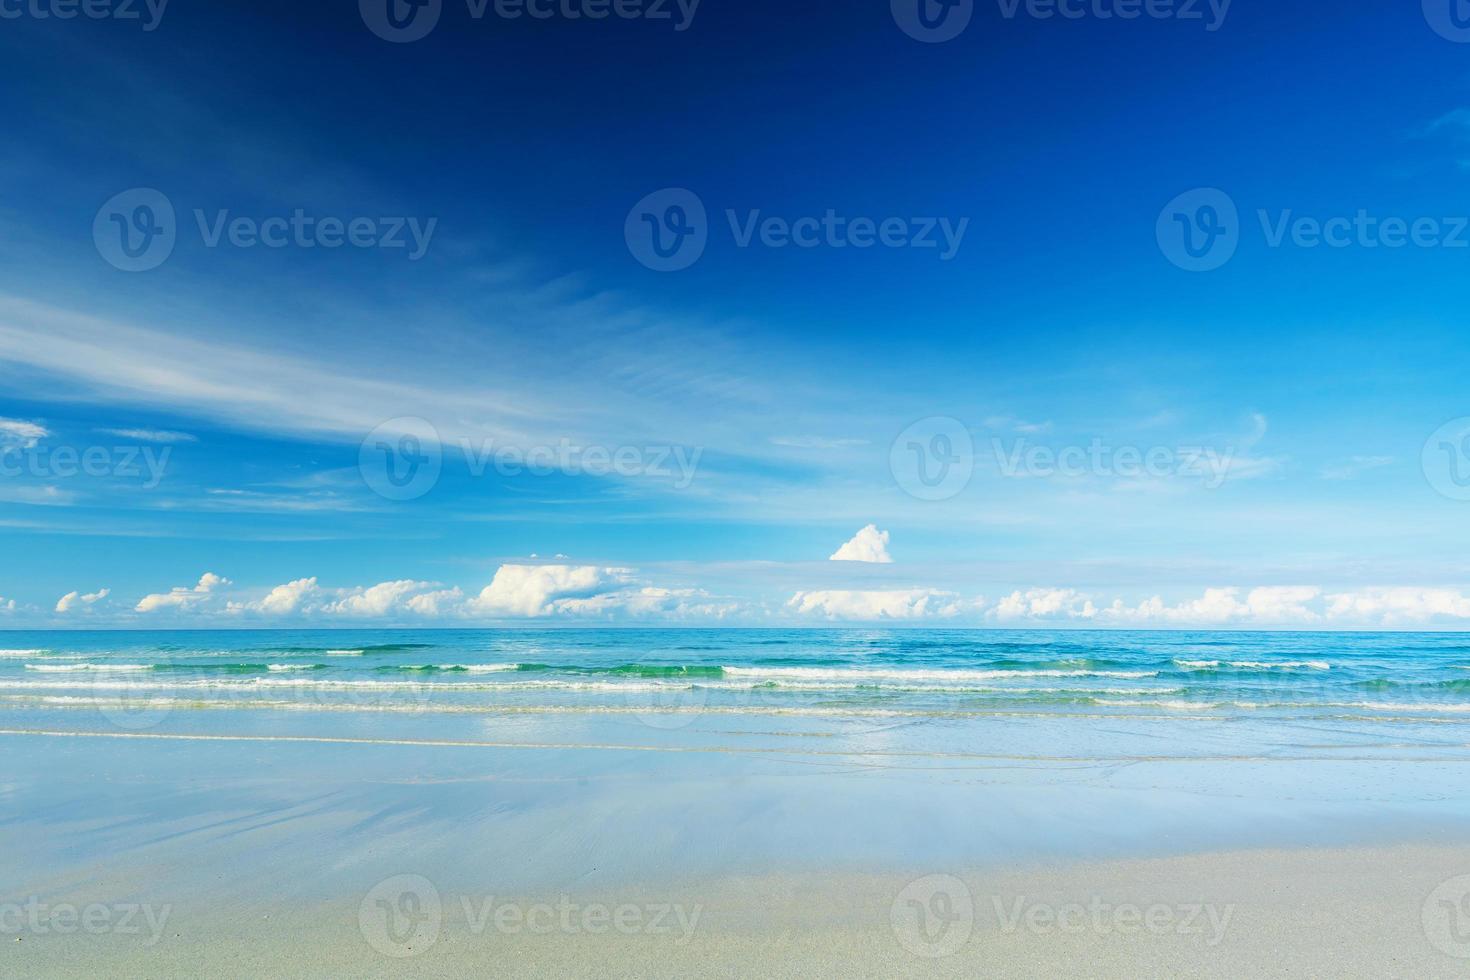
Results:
<point x="150" y="435"/>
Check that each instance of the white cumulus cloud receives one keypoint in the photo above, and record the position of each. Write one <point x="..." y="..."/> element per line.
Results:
<point x="1045" y="604"/>
<point x="540" y="590"/>
<point x="869" y="544"/>
<point x="872" y="604"/>
<point x="182" y="597"/>
<point x="282" y="600"/>
<point x="1399" y="606"/>
<point x="378" y="600"/>
<point x="71" y="600"/>
<point x="1270" y="605"/>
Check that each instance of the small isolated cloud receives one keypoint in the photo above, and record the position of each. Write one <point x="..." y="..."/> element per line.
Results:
<point x="1355" y="466"/>
<point x="150" y="435"/>
<point x="7" y="605"/>
<point x="1241" y="464"/>
<point x="42" y="496"/>
<point x="1013" y="424"/>
<point x="878" y="604"/>
<point x="75" y="600"/>
<point x="182" y="597"/>
<point x="869" y="544"/>
<point x="19" y="434"/>
<point x="815" y="442"/>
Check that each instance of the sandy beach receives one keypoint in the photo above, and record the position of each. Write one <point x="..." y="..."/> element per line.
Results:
<point x="1363" y="912"/>
<point x="178" y="811"/>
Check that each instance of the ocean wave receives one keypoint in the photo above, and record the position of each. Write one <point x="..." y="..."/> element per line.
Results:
<point x="1253" y="664"/>
<point x="24" y="653"/>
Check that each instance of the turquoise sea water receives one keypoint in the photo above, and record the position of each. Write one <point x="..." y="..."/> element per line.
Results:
<point x="674" y="677"/>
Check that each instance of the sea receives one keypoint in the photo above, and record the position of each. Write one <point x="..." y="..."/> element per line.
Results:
<point x="302" y="763"/>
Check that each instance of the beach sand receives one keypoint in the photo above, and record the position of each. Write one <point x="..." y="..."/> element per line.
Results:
<point x="1304" y="912"/>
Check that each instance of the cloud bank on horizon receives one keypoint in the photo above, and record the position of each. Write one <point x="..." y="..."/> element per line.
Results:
<point x="552" y="591"/>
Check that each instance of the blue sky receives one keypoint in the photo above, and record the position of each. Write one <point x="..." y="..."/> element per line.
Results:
<point x="494" y="168"/>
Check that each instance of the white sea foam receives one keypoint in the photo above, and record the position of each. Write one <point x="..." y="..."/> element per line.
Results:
<point x="467" y="668"/>
<point x="23" y="653"/>
<point x="860" y="674"/>
<point x="1254" y="664"/>
<point x="343" y="653"/>
<point x="67" y="668"/>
